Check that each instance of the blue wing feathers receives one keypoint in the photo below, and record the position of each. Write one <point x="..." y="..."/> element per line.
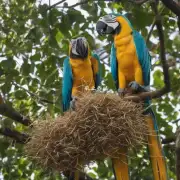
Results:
<point x="98" y="75"/>
<point x="114" y="65"/>
<point x="143" y="56"/>
<point x="67" y="84"/>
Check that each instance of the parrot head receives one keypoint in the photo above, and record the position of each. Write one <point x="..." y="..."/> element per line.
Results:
<point x="79" y="48"/>
<point x="113" y="24"/>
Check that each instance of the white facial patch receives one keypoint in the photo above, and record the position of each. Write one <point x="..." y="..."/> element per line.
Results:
<point x="84" y="41"/>
<point x="73" y="46"/>
<point x="110" y="20"/>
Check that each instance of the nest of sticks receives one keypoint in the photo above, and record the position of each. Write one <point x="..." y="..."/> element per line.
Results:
<point x="101" y="125"/>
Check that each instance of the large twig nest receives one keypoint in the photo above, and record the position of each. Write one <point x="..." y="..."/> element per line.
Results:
<point x="100" y="127"/>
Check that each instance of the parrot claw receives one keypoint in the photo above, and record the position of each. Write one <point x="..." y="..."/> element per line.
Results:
<point x="134" y="85"/>
<point x="137" y="87"/>
<point x="73" y="103"/>
<point x="121" y="92"/>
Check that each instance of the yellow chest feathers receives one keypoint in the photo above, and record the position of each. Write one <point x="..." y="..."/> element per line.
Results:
<point x="82" y="75"/>
<point x="126" y="55"/>
<point x="125" y="51"/>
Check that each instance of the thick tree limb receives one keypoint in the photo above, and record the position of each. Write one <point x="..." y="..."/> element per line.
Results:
<point x="173" y="6"/>
<point x="7" y="111"/>
<point x="17" y="136"/>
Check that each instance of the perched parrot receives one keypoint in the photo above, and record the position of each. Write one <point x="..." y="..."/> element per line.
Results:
<point x="130" y="68"/>
<point x="81" y="73"/>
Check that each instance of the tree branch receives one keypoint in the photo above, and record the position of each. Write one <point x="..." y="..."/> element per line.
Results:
<point x="33" y="94"/>
<point x="150" y="32"/>
<point x="56" y="4"/>
<point x="139" y="2"/>
<point x="177" y="120"/>
<point x="7" y="111"/>
<point x="81" y="3"/>
<point x="168" y="140"/>
<point x="179" y="23"/>
<point x="17" y="136"/>
<point x="152" y="27"/>
<point x="159" y="26"/>
<point x="74" y="5"/>
<point x="173" y="6"/>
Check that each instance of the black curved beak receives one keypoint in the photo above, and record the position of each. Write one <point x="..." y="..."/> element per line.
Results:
<point x="103" y="29"/>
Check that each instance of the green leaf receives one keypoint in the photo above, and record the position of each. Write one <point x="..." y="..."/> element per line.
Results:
<point x="36" y="57"/>
<point x="109" y="82"/>
<point x="59" y="37"/>
<point x="20" y="94"/>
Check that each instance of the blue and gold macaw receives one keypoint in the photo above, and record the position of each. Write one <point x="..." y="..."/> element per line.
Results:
<point x="130" y="68"/>
<point x="81" y="73"/>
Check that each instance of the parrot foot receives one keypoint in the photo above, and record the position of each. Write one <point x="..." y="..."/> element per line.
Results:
<point x="121" y="92"/>
<point x="134" y="85"/>
<point x="73" y="103"/>
<point x="137" y="87"/>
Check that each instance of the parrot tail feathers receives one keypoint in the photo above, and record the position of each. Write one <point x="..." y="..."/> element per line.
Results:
<point x="155" y="150"/>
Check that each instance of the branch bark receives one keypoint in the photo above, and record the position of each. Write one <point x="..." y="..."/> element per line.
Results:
<point x="150" y="32"/>
<point x="17" y="136"/>
<point x="56" y="4"/>
<point x="173" y="6"/>
<point x="177" y="120"/>
<point x="139" y="2"/>
<point x="7" y="111"/>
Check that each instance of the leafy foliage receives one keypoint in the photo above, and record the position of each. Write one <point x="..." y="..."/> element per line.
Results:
<point x="34" y="41"/>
